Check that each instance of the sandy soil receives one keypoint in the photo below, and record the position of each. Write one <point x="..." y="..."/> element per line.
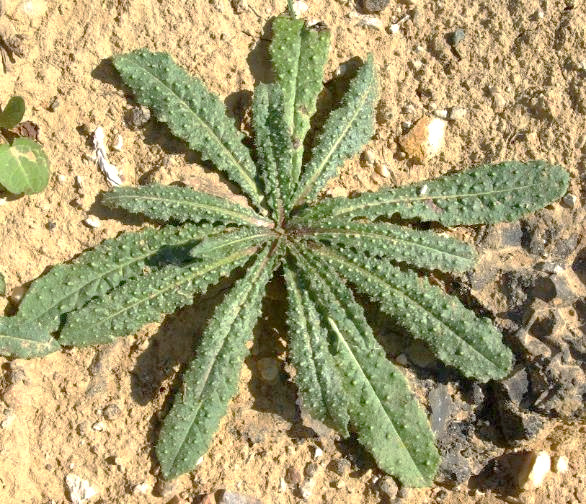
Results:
<point x="519" y="72"/>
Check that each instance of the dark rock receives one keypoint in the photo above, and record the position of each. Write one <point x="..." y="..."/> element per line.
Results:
<point x="456" y="37"/>
<point x="340" y="466"/>
<point x="51" y="225"/>
<point x="403" y="492"/>
<point x="579" y="265"/>
<point x="516" y="424"/>
<point x="516" y="286"/>
<point x="54" y="105"/>
<point x="442" y="406"/>
<point x="111" y="412"/>
<point x="503" y="235"/>
<point x="454" y="468"/>
<point x="477" y="395"/>
<point x="546" y="324"/>
<point x="374" y="5"/>
<point x="562" y="249"/>
<point x="516" y="386"/>
<point x="137" y="117"/>
<point x="234" y="498"/>
<point x="539" y="232"/>
<point x="311" y="469"/>
<point x="388" y="488"/>
<point x="292" y="476"/>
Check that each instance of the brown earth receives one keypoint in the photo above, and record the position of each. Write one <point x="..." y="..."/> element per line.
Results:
<point x="520" y="73"/>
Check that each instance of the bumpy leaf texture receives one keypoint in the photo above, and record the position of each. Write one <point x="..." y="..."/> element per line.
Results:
<point x="343" y="376"/>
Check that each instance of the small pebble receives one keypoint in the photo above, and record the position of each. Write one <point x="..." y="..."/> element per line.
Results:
<point x="300" y="8"/>
<point x="98" y="426"/>
<point x="394" y="28"/>
<point x="498" y="102"/>
<point x="569" y="200"/>
<point x="51" y="225"/>
<point x="562" y="464"/>
<point x="111" y="412"/>
<point x="165" y="488"/>
<point x="142" y="488"/>
<point x="371" y="22"/>
<point x="374" y="5"/>
<point x="425" y="140"/>
<point x="369" y="157"/>
<point x="456" y="37"/>
<point x="92" y="221"/>
<point x="292" y="476"/>
<point x="388" y="487"/>
<point x="457" y="113"/>
<point x="61" y="178"/>
<point x="534" y="470"/>
<point x="382" y="170"/>
<point x="441" y="113"/>
<point x="318" y="452"/>
<point x="311" y="469"/>
<point x="341" y="466"/>
<point x="80" y="491"/>
<point x="137" y="117"/>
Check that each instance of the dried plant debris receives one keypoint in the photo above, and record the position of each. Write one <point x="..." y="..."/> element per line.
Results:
<point x="325" y="249"/>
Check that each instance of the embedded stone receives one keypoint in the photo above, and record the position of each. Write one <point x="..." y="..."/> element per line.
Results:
<point x="373" y="6"/>
<point x="425" y="139"/>
<point x="534" y="470"/>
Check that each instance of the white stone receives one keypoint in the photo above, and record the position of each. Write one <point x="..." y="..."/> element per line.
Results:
<point x="394" y="28"/>
<point x="562" y="465"/>
<point x="118" y="143"/>
<point x="318" y="452"/>
<point x="457" y="113"/>
<point x="300" y="8"/>
<point x="142" y="488"/>
<point x="80" y="490"/>
<point x="436" y="134"/>
<point x="441" y="113"/>
<point x="533" y="472"/>
<point x="92" y="221"/>
<point x="382" y="170"/>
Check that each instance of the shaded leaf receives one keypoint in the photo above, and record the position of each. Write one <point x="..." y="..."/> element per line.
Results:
<point x="211" y="379"/>
<point x="12" y="113"/>
<point x="453" y="333"/>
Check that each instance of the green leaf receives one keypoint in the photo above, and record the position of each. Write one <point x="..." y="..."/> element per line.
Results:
<point x="2" y="285"/>
<point x="482" y="195"/>
<point x="181" y="204"/>
<point x="24" y="339"/>
<point x="24" y="167"/>
<point x="144" y="299"/>
<point x="423" y="249"/>
<point x="299" y="54"/>
<point x="273" y="146"/>
<point x="317" y="378"/>
<point x="453" y="333"/>
<point x="211" y="380"/>
<point x="230" y="241"/>
<point x="191" y="112"/>
<point x="12" y="113"/>
<point x="384" y="413"/>
<point x="345" y="132"/>
<point x="68" y="287"/>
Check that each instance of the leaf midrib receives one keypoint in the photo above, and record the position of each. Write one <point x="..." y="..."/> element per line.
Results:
<point x="427" y="197"/>
<point x="373" y="391"/>
<point x="371" y="234"/>
<point x="240" y="167"/>
<point x="379" y="280"/>
<point x="257" y="220"/>
<point x="307" y="185"/>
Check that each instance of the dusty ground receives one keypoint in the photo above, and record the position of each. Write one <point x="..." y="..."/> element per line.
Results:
<point x="520" y="72"/>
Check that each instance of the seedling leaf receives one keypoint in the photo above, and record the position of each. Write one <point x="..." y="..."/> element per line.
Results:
<point x="24" y="167"/>
<point x="12" y="113"/>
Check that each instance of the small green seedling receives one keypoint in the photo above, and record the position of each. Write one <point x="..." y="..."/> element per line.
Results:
<point x="324" y="248"/>
<point x="24" y="167"/>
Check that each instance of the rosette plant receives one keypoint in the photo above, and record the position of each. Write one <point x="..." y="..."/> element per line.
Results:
<point x="325" y="249"/>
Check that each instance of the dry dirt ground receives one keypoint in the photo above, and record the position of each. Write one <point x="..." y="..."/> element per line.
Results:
<point x="520" y="73"/>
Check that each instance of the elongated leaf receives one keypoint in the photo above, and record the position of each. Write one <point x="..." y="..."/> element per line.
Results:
<point x="182" y="204"/>
<point x="384" y="413"/>
<point x="482" y="195"/>
<point x="12" y="113"/>
<point x="2" y="285"/>
<point x="191" y="112"/>
<point x="452" y="332"/>
<point x="143" y="299"/>
<point x="317" y="378"/>
<point x="70" y="286"/>
<point x="299" y="54"/>
<point x="345" y="132"/>
<point x="423" y="249"/>
<point x="230" y="241"/>
<point x="24" y="339"/>
<point x="211" y="380"/>
<point x="273" y="145"/>
<point x="24" y="167"/>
